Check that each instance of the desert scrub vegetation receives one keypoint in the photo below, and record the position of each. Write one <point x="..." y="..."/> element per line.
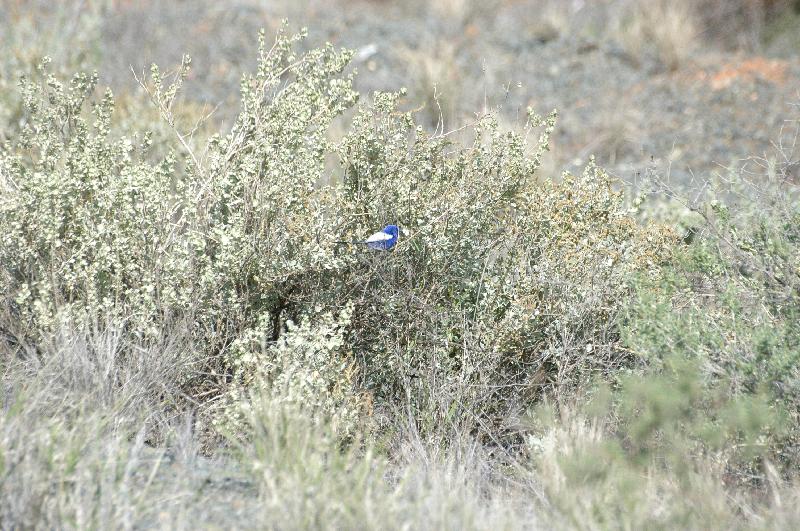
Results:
<point x="241" y="238"/>
<point x="173" y="295"/>
<point x="730" y="300"/>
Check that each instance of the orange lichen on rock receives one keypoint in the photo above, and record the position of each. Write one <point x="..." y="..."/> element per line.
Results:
<point x="771" y="70"/>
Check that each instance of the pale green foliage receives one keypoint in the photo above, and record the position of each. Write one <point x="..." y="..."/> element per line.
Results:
<point x="307" y="366"/>
<point x="655" y="451"/>
<point x="730" y="300"/>
<point x="87" y="221"/>
<point x="502" y="282"/>
<point x="264" y="212"/>
<point x="292" y="451"/>
<point x="592" y="485"/>
<point x="25" y="43"/>
<point x="91" y="225"/>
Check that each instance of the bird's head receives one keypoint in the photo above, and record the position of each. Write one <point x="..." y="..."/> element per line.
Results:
<point x="392" y="230"/>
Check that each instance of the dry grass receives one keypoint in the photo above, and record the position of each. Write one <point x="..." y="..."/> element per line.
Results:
<point x="80" y="416"/>
<point x="668" y="29"/>
<point x="435" y="82"/>
<point x="77" y="450"/>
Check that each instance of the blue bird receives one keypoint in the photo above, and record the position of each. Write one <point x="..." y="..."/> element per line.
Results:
<point x="382" y="240"/>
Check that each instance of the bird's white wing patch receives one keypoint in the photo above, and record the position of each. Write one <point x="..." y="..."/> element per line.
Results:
<point x="379" y="237"/>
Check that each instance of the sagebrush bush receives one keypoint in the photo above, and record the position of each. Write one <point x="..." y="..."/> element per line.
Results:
<point x="90" y="226"/>
<point x="504" y="281"/>
<point x="26" y="43"/>
<point x="308" y="365"/>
